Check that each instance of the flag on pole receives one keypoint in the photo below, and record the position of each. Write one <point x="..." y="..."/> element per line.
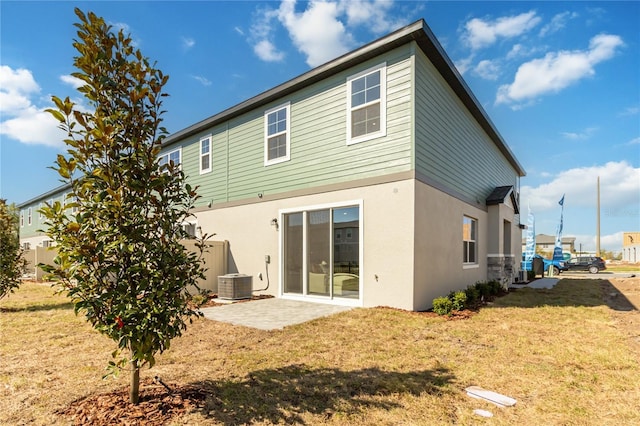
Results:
<point x="530" y="248"/>
<point x="557" y="250"/>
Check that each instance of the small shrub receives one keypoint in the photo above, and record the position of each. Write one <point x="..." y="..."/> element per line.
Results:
<point x="458" y="300"/>
<point x="531" y="275"/>
<point x="483" y="288"/>
<point x="473" y="296"/>
<point x="495" y="287"/>
<point x="442" y="305"/>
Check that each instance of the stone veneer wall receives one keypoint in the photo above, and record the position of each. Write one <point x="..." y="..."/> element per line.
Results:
<point x="501" y="269"/>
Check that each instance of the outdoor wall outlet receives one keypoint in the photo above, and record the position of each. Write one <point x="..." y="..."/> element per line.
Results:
<point x="267" y="258"/>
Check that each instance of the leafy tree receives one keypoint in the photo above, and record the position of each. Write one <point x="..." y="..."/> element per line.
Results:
<point x="12" y="264"/>
<point x="118" y="235"/>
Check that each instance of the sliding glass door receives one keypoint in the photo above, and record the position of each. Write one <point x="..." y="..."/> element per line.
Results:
<point x="321" y="249"/>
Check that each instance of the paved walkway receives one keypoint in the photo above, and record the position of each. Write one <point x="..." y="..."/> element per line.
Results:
<point x="543" y="283"/>
<point x="271" y="314"/>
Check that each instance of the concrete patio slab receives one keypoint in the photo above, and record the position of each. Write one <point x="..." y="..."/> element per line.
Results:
<point x="271" y="314"/>
<point x="543" y="283"/>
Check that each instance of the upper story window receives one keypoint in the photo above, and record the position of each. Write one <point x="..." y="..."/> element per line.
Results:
<point x="366" y="112"/>
<point x="174" y="156"/>
<point x="21" y="218"/>
<point x="29" y="216"/>
<point x="469" y="241"/>
<point x="205" y="154"/>
<point x="277" y="135"/>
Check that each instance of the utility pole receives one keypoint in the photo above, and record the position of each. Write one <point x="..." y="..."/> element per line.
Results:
<point x="598" y="222"/>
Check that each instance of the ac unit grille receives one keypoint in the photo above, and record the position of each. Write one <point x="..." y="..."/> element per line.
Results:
<point x="234" y="286"/>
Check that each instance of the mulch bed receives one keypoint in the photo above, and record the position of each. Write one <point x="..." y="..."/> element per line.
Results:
<point x="455" y="315"/>
<point x="157" y="405"/>
<point x="213" y="300"/>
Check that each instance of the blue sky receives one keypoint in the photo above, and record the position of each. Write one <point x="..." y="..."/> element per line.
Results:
<point x="560" y="80"/>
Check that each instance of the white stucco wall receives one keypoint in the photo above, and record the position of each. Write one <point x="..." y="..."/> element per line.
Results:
<point x="438" y="250"/>
<point x="387" y="238"/>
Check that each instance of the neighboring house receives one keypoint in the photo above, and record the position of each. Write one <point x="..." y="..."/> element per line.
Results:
<point x="32" y="223"/>
<point x="374" y="179"/>
<point x="546" y="243"/>
<point x="631" y="247"/>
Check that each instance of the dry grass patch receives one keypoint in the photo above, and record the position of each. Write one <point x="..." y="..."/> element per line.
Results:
<point x="564" y="354"/>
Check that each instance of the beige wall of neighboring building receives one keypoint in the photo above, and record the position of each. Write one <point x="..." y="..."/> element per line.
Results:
<point x="36" y="241"/>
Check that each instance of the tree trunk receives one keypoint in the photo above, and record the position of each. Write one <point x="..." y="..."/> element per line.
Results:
<point x="134" y="390"/>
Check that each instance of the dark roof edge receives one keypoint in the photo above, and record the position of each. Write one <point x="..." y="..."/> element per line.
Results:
<point x="418" y="31"/>
<point x="47" y="194"/>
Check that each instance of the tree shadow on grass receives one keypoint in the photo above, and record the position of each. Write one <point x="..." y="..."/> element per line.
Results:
<point x="569" y="292"/>
<point x="283" y="395"/>
<point x="38" y="308"/>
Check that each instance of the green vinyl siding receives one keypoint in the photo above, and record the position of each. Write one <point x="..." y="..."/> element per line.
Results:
<point x="451" y="148"/>
<point x="37" y="222"/>
<point x="319" y="152"/>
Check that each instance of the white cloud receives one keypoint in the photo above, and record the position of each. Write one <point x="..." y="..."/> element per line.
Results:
<point x="266" y="51"/>
<point x="463" y="65"/>
<point x="558" y="22"/>
<point x="372" y="13"/>
<point x="488" y="70"/>
<point x="33" y="126"/>
<point x="583" y="135"/>
<point x="15" y="88"/>
<point x="316" y="32"/>
<point x="261" y="36"/>
<point x="72" y="81"/>
<point x="557" y="70"/>
<point x="202" y="80"/>
<point x="27" y="123"/>
<point x="519" y="51"/>
<point x="481" y="33"/>
<point x="322" y="31"/>
<point x="634" y="141"/>
<point x="610" y="242"/>
<point x="188" y="43"/>
<point x="619" y="188"/>
<point x="631" y="111"/>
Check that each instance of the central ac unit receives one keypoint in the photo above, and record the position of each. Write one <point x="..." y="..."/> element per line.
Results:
<point x="234" y="286"/>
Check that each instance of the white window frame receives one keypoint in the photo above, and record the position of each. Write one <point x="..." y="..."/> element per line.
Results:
<point x="474" y="239"/>
<point x="305" y="210"/>
<point x="192" y="224"/>
<point x="208" y="154"/>
<point x="382" y="68"/>
<point x="168" y="155"/>
<point x="21" y="218"/>
<point x="29" y="216"/>
<point x="286" y="132"/>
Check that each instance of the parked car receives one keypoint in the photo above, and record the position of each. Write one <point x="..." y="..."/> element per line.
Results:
<point x="557" y="265"/>
<point x="593" y="264"/>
